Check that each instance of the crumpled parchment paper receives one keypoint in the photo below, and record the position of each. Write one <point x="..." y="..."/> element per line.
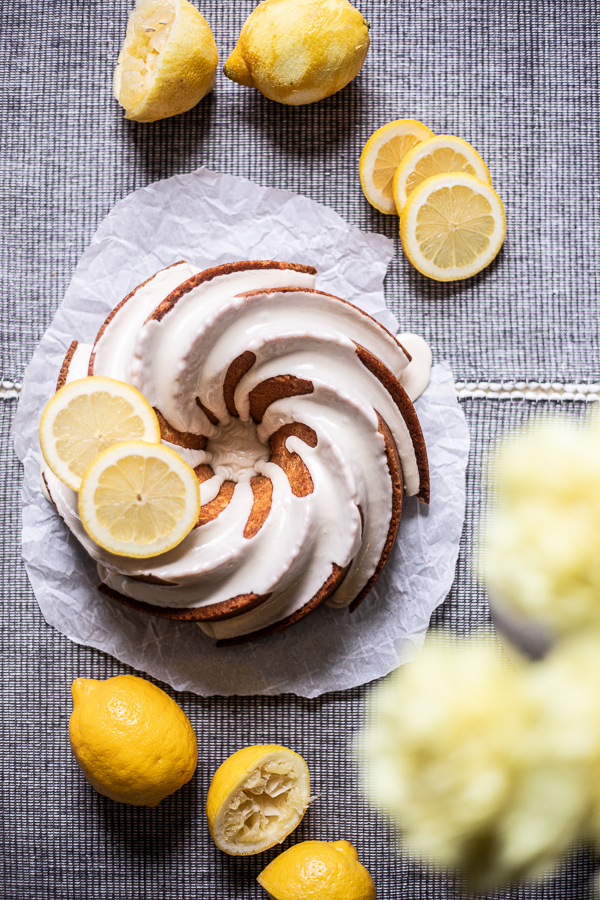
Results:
<point x="208" y="219"/>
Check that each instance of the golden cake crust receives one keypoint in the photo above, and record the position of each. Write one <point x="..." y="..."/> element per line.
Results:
<point x="226" y="269"/>
<point x="235" y="606"/>
<point x="64" y="369"/>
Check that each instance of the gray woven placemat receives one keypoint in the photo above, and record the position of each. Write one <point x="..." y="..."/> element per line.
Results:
<point x="519" y="80"/>
<point x="62" y="840"/>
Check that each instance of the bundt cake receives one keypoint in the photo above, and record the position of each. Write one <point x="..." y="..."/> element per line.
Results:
<point x="288" y="403"/>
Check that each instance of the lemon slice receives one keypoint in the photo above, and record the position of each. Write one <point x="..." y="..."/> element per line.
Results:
<point x="138" y="499"/>
<point x="452" y="226"/>
<point x="382" y="154"/>
<point x="443" y="153"/>
<point x="256" y="798"/>
<point x="168" y="61"/>
<point x="88" y="415"/>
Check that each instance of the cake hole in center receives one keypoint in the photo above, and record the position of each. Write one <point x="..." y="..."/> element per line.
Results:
<point x="236" y="450"/>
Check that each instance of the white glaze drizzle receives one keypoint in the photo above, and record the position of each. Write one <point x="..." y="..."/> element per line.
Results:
<point x="187" y="354"/>
<point x="415" y="378"/>
<point x="114" y="347"/>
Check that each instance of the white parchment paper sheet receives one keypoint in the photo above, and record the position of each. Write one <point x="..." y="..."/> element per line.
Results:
<point x="208" y="219"/>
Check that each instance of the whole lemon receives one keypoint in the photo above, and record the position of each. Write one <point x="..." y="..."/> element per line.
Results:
<point x="318" y="870"/>
<point x="132" y="742"/>
<point x="299" y="51"/>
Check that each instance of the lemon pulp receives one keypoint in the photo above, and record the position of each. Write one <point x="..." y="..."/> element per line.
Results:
<point x="256" y="798"/>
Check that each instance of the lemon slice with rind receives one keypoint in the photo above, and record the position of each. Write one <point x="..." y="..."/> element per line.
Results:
<point x="452" y="226"/>
<point x="439" y="154"/>
<point x="256" y="798"/>
<point x="168" y="61"/>
<point x="138" y="499"/>
<point x="88" y="415"/>
<point x="382" y="154"/>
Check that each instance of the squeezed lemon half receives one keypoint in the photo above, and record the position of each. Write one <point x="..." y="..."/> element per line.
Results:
<point x="88" y="415"/>
<point x="168" y="61"/>
<point x="256" y="798"/>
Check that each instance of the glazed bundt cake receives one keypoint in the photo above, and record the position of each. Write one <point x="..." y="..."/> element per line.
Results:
<point x="288" y="404"/>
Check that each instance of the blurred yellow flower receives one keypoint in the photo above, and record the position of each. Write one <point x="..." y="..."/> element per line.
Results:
<point x="459" y="754"/>
<point x="542" y="558"/>
<point x="566" y="689"/>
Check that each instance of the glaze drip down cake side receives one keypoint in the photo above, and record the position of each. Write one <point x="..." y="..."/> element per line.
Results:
<point x="289" y="405"/>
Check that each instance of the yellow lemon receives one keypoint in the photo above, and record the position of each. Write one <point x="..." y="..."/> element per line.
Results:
<point x="139" y="499"/>
<point x="318" y="870"/>
<point x="88" y="415"/>
<point x="381" y="156"/>
<point x="256" y="798"/>
<point x="443" y="153"/>
<point x="299" y="51"/>
<point x="132" y="742"/>
<point x="168" y="61"/>
<point x="452" y="226"/>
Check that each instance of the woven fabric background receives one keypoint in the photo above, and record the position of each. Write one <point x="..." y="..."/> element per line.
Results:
<point x="62" y="841"/>
<point x="517" y="79"/>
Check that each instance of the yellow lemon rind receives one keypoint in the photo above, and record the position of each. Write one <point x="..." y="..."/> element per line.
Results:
<point x="110" y="457"/>
<point x="425" y="148"/>
<point x="184" y="71"/>
<point x="312" y="870"/>
<point x="370" y="153"/>
<point x="298" y="52"/>
<point x="408" y="226"/>
<point x="79" y="387"/>
<point x="230" y="778"/>
<point x="133" y="743"/>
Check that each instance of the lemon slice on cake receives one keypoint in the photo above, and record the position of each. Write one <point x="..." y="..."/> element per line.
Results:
<point x="443" y="153"/>
<point x="88" y="415"/>
<point x="256" y="798"/>
<point x="382" y="154"/>
<point x="452" y="226"/>
<point x="138" y="499"/>
<point x="168" y="61"/>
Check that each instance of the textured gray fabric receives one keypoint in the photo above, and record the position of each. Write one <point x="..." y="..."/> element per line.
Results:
<point x="520" y="81"/>
<point x="62" y="840"/>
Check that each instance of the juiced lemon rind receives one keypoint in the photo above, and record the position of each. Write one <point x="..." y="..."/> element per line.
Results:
<point x="256" y="798"/>
<point x="168" y="60"/>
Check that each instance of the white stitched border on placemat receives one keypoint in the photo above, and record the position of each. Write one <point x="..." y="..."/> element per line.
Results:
<point x="466" y="390"/>
<point x="526" y="390"/>
<point x="9" y="389"/>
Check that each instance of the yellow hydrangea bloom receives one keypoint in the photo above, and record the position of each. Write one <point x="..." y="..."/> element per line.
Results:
<point x="459" y="755"/>
<point x="543" y="546"/>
